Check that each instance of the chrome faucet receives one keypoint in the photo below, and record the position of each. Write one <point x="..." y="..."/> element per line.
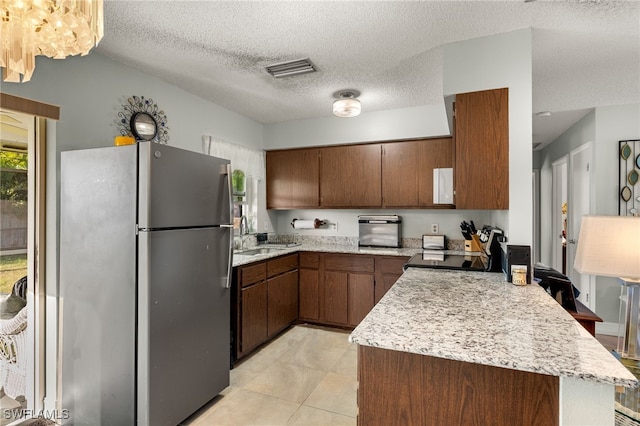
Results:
<point x="244" y="230"/>
<point x="244" y="225"/>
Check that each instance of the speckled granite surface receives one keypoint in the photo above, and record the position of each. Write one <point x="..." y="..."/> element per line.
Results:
<point x="239" y="259"/>
<point x="478" y="317"/>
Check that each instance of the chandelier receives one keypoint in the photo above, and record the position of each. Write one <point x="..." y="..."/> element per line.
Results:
<point x="53" y="28"/>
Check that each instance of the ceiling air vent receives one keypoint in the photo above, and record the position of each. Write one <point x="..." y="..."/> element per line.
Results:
<point x="283" y="69"/>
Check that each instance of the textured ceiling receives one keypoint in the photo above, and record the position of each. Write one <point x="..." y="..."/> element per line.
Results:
<point x="585" y="54"/>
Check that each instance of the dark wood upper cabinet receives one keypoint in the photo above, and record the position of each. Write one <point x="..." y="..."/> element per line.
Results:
<point x="400" y="170"/>
<point x="292" y="178"/>
<point x="481" y="177"/>
<point x="407" y="171"/>
<point x="350" y="176"/>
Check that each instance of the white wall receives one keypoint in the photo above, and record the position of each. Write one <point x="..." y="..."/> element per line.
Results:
<point x="415" y="223"/>
<point x="493" y="62"/>
<point x="605" y="127"/>
<point x="403" y="123"/>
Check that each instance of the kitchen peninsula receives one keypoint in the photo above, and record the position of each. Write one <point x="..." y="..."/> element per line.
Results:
<point x="456" y="347"/>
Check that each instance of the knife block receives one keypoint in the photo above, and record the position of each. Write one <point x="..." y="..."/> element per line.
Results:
<point x="474" y="244"/>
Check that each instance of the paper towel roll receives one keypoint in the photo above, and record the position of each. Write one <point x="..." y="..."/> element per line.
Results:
<point x="303" y="224"/>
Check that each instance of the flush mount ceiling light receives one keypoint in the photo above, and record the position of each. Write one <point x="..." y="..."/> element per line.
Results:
<point x="543" y="114"/>
<point x="53" y="28"/>
<point x="347" y="105"/>
<point x="283" y="69"/>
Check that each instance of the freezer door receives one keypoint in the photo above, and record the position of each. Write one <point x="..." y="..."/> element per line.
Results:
<point x="180" y="188"/>
<point x="184" y="322"/>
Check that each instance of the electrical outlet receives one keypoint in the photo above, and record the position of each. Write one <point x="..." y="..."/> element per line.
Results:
<point x="334" y="226"/>
<point x="266" y="225"/>
<point x="435" y="228"/>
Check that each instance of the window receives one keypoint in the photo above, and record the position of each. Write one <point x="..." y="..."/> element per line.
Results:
<point x="248" y="170"/>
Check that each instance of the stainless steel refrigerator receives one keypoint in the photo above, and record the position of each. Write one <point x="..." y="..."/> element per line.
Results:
<point x="145" y="260"/>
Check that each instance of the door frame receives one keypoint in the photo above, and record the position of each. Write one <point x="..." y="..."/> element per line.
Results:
<point x="560" y="185"/>
<point x="573" y="227"/>
<point x="38" y="358"/>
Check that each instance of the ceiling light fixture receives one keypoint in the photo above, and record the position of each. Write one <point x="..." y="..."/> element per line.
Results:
<point x="53" y="28"/>
<point x="283" y="69"/>
<point x="543" y="114"/>
<point x="347" y="105"/>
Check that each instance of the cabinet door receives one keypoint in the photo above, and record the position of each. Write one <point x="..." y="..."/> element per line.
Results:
<point x="388" y="270"/>
<point x="360" y="297"/>
<point x="482" y="150"/>
<point x="254" y="316"/>
<point x="292" y="178"/>
<point x="350" y="176"/>
<point x="309" y="296"/>
<point x="282" y="301"/>
<point x="432" y="154"/>
<point x="335" y="296"/>
<point x="400" y="169"/>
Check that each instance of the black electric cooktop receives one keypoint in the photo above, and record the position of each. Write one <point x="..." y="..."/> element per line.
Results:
<point x="442" y="260"/>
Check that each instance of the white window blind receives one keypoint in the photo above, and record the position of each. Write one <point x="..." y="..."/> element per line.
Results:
<point x="250" y="161"/>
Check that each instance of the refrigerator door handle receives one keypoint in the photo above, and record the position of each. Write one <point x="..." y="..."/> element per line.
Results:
<point x="227" y="172"/>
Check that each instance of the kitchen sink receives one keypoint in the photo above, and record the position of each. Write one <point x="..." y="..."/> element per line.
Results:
<point x="257" y="251"/>
<point x="248" y="254"/>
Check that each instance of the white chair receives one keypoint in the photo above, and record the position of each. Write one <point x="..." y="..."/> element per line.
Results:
<point x="13" y="354"/>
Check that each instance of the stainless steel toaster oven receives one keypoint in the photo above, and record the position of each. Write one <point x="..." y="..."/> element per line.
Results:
<point x="380" y="231"/>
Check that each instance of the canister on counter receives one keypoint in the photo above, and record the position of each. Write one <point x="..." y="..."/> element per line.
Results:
<point x="519" y="274"/>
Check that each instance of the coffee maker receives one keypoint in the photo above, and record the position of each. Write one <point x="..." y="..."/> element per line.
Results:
<point x="494" y="251"/>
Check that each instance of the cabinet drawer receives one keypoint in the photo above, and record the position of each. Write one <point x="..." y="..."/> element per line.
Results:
<point x="309" y="260"/>
<point x="349" y="263"/>
<point x="390" y="265"/>
<point x="252" y="274"/>
<point x="282" y="264"/>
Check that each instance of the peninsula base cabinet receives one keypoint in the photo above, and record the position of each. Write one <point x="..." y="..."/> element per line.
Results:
<point x="404" y="388"/>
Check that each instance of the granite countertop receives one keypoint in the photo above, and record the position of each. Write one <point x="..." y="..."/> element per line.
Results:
<point x="239" y="260"/>
<point x="480" y="318"/>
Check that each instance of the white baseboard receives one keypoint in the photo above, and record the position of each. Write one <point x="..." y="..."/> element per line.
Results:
<point x="607" y="328"/>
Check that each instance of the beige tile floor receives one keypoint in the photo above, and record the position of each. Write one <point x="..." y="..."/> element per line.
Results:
<point x="306" y="376"/>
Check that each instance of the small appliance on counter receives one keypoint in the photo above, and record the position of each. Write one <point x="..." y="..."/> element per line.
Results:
<point x="433" y="242"/>
<point x="442" y="260"/>
<point x="379" y="231"/>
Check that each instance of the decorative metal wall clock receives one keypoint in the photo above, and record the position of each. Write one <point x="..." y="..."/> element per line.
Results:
<point x="141" y="118"/>
<point x="629" y="195"/>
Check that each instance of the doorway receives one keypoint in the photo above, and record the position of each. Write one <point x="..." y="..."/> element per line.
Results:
<point x="558" y="217"/>
<point x="17" y="262"/>
<point x="580" y="160"/>
<point x="29" y="119"/>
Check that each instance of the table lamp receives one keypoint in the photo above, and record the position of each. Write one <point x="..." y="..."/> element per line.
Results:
<point x="609" y="246"/>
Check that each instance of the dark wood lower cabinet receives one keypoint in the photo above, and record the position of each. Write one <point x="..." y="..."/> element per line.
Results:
<point x="388" y="270"/>
<point x="265" y="302"/>
<point x="309" y="298"/>
<point x="360" y="298"/>
<point x="335" y="289"/>
<point x="282" y="302"/>
<point x="402" y="388"/>
<point x="253" y="316"/>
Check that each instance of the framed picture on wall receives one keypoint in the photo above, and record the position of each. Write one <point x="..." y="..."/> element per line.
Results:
<point x="629" y="178"/>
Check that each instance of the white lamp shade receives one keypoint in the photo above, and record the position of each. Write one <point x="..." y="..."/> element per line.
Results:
<point x="346" y="107"/>
<point x="609" y="246"/>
